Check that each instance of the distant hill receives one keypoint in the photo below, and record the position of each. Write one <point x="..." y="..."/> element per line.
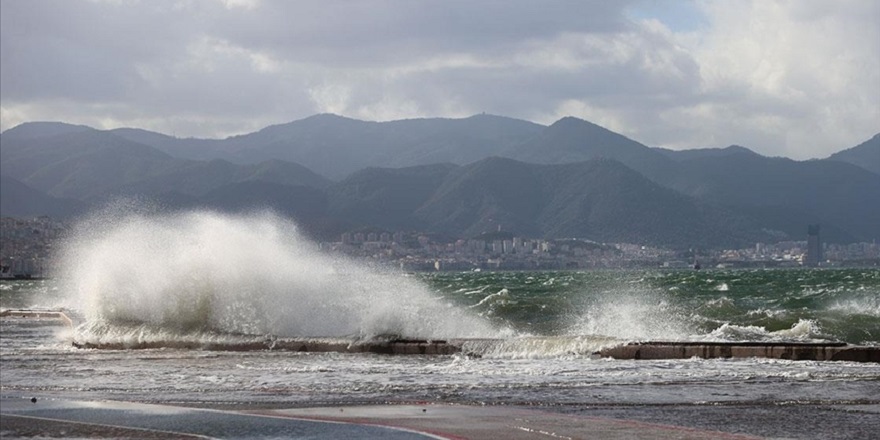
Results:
<point x="79" y="165"/>
<point x="91" y="165"/>
<point x="20" y="200"/>
<point x="481" y="196"/>
<point x="571" y="140"/>
<point x="457" y="177"/>
<point x="601" y="200"/>
<point x="386" y="196"/>
<point x="197" y="178"/>
<point x="337" y="146"/>
<point x="32" y="130"/>
<point x="865" y="155"/>
<point x="839" y="195"/>
<point x="306" y="204"/>
<point x="699" y="153"/>
<point x="187" y="148"/>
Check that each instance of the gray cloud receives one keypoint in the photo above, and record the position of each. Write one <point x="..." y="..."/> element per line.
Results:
<point x="753" y="73"/>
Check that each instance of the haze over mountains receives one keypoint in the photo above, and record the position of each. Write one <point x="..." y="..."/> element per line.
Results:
<point x="458" y="177"/>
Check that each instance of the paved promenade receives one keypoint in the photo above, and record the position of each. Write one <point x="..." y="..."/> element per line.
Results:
<point x="21" y="418"/>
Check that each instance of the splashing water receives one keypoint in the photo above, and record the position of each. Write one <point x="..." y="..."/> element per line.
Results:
<point x="810" y="305"/>
<point x="203" y="272"/>
<point x="632" y="315"/>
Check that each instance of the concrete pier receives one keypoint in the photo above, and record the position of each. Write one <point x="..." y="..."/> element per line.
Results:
<point x="396" y="347"/>
<point x="38" y="314"/>
<point x="772" y="350"/>
<point x="798" y="351"/>
<point x="642" y="350"/>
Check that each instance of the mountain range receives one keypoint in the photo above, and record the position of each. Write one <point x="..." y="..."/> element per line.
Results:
<point x="458" y="177"/>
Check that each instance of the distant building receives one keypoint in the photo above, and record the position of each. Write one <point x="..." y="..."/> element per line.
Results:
<point x="814" y="247"/>
<point x="398" y="237"/>
<point x="347" y="238"/>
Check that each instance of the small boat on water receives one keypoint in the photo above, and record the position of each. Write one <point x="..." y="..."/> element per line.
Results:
<point x="6" y="273"/>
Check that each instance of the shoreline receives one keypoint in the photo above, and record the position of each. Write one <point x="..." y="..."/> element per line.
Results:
<point x="797" y="351"/>
<point x="117" y="419"/>
<point x="653" y="350"/>
<point x="419" y="420"/>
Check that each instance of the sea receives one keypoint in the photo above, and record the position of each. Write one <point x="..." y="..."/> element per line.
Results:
<point x="128" y="277"/>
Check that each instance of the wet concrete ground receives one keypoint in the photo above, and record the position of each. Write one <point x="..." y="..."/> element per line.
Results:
<point x="776" y="420"/>
<point x="19" y="418"/>
<point x="508" y="423"/>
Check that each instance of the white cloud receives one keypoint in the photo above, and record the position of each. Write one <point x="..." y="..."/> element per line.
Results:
<point x="793" y="78"/>
<point x="331" y="98"/>
<point x="15" y="115"/>
<point x="389" y="108"/>
<point x="207" y="52"/>
<point x="806" y="71"/>
<point x="799" y="79"/>
<point x="242" y="4"/>
<point x="583" y="110"/>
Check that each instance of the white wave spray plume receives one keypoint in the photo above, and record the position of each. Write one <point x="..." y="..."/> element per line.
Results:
<point x="632" y="314"/>
<point x="250" y="274"/>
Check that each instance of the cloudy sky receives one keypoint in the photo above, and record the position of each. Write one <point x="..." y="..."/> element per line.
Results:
<point x="796" y="78"/>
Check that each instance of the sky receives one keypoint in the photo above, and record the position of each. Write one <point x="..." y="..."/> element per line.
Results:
<point x="794" y="78"/>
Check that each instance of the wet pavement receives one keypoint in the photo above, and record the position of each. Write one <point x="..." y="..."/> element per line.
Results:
<point x="20" y="418"/>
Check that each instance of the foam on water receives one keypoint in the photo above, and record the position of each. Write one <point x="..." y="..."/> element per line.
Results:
<point x="502" y="296"/>
<point x="539" y="347"/>
<point x="866" y="305"/>
<point x="632" y="315"/>
<point x="131" y="272"/>
<point x="804" y="330"/>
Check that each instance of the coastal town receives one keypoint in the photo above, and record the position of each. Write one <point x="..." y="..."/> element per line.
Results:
<point x="27" y="246"/>
<point x="504" y="251"/>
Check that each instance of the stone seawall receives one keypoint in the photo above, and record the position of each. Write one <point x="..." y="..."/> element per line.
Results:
<point x="829" y="351"/>
<point x="710" y="350"/>
<point x="643" y="350"/>
<point x="397" y="347"/>
<point x="38" y="314"/>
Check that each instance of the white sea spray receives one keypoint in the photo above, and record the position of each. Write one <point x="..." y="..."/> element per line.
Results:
<point x="197" y="272"/>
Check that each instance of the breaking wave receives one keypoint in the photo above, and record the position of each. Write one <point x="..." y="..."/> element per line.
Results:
<point x="802" y="331"/>
<point x="633" y="315"/>
<point x="139" y="275"/>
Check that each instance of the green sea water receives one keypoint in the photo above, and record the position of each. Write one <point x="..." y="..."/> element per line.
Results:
<point x="840" y="305"/>
<point x="210" y="278"/>
<point x="549" y="325"/>
<point x="731" y="305"/>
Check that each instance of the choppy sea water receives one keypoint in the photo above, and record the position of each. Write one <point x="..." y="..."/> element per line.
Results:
<point x="565" y="308"/>
<point x="205" y="276"/>
<point x="726" y="305"/>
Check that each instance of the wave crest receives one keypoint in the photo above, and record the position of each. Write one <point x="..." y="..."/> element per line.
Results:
<point x="805" y="330"/>
<point x="256" y="275"/>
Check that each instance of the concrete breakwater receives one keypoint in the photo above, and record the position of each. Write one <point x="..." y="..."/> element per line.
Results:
<point x="396" y="347"/>
<point x="772" y="350"/>
<point x="641" y="350"/>
<point x="823" y="351"/>
<point x="39" y="314"/>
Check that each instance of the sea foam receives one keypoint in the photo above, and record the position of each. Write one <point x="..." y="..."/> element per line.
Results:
<point x="632" y="314"/>
<point x="196" y="272"/>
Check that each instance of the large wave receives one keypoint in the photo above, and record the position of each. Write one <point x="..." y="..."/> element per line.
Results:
<point x="255" y="274"/>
